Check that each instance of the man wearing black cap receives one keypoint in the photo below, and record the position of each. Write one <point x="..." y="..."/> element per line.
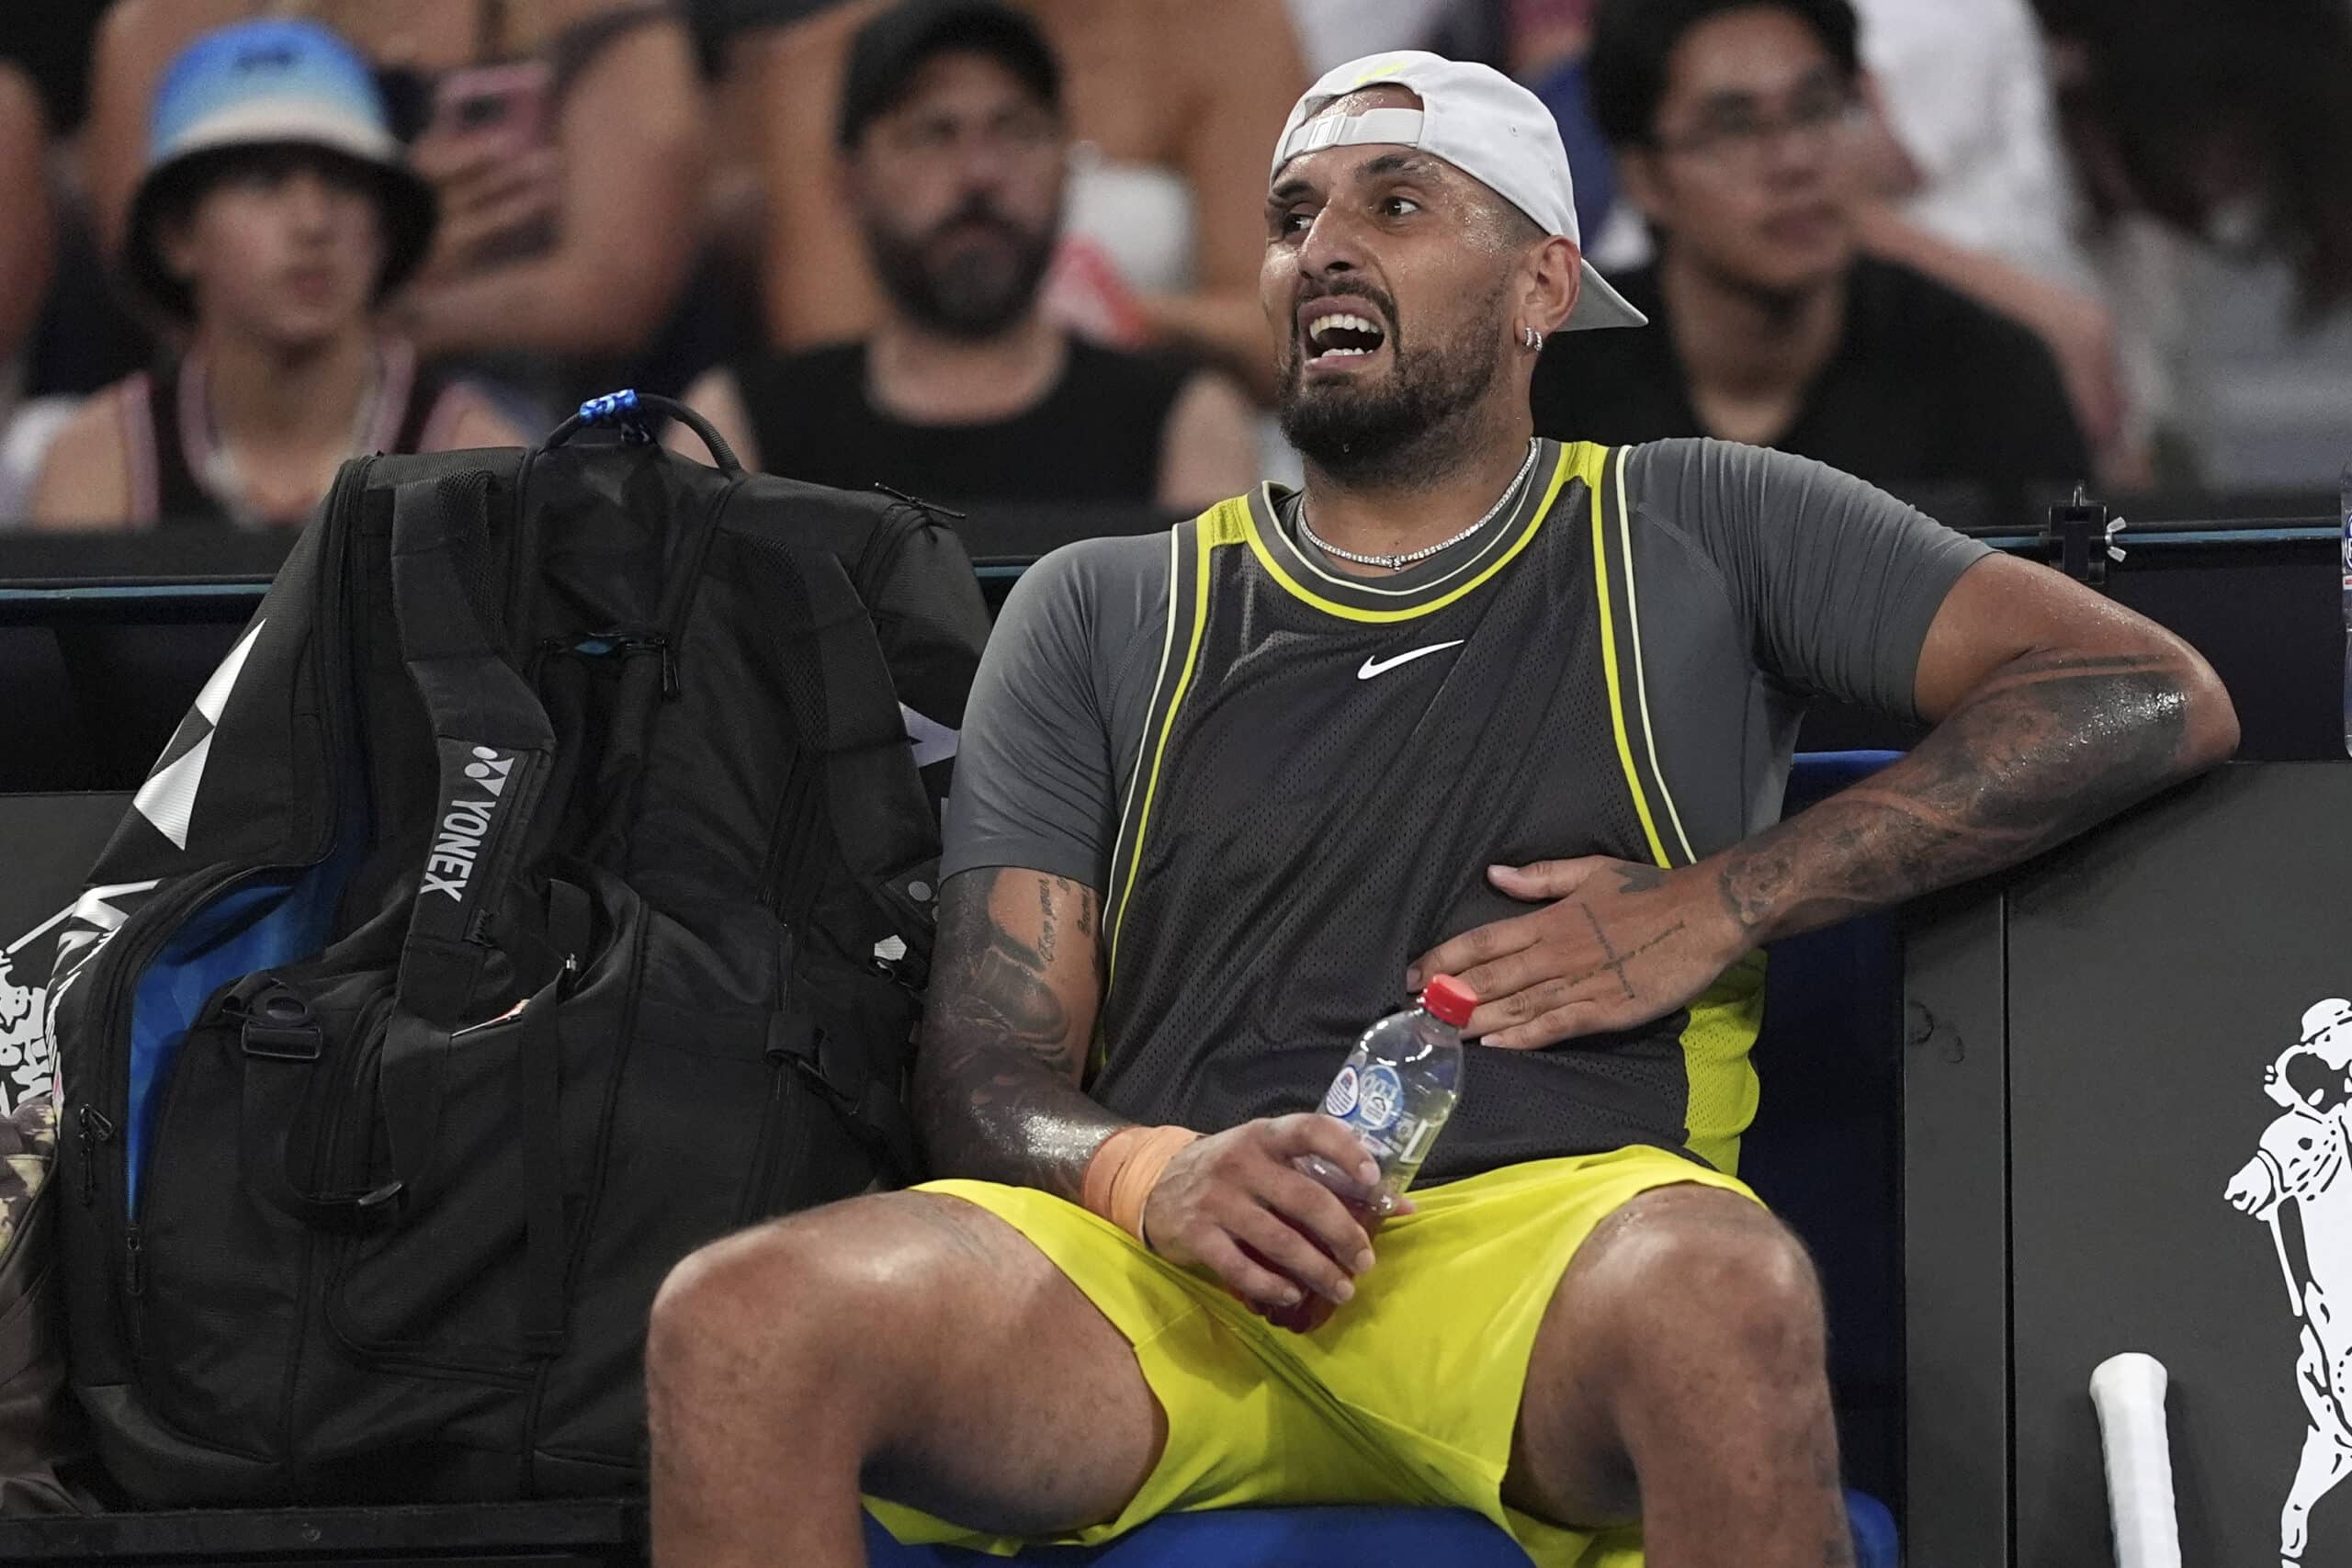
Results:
<point x="953" y="157"/>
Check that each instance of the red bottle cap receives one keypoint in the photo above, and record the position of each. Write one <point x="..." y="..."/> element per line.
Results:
<point x="1449" y="1000"/>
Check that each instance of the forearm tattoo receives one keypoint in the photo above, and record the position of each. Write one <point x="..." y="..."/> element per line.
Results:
<point x="996" y="1083"/>
<point x="2049" y="746"/>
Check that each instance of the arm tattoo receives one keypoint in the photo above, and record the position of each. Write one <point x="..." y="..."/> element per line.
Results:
<point x="2048" y="745"/>
<point x="1634" y="878"/>
<point x="996" y="1092"/>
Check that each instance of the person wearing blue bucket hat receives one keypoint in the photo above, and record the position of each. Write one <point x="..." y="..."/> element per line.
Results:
<point x="273" y="217"/>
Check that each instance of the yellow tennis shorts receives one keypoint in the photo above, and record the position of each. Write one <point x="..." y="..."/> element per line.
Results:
<point x="1407" y="1395"/>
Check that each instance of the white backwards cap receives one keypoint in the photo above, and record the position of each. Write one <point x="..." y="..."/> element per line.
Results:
<point x="1475" y="119"/>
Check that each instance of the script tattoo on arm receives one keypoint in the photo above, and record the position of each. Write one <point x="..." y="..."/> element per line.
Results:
<point x="2046" y="746"/>
<point x="1006" y="1028"/>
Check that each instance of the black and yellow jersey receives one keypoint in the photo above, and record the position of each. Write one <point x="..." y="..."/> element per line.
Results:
<point x="1288" y="782"/>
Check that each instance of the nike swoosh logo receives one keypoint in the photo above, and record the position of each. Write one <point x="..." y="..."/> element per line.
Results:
<point x="1382" y="666"/>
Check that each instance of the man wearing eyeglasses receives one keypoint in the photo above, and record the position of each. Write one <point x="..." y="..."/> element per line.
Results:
<point x="1738" y="126"/>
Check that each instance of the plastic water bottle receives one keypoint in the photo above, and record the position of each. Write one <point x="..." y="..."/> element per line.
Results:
<point x="1394" y="1091"/>
<point x="2344" y="510"/>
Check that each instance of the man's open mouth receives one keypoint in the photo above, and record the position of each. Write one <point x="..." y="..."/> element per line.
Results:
<point x="1342" y="335"/>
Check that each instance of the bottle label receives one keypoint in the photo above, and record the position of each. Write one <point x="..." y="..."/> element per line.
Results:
<point x="1380" y="1096"/>
<point x="1341" y="1100"/>
<point x="1416" y="1134"/>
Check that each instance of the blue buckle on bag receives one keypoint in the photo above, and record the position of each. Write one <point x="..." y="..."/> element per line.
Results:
<point x="619" y="409"/>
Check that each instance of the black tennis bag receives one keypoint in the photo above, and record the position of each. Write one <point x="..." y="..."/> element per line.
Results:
<point x="539" y="890"/>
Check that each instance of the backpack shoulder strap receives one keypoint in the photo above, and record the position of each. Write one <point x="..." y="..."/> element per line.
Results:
<point x="481" y="934"/>
<point x="846" y="709"/>
<point x="492" y="738"/>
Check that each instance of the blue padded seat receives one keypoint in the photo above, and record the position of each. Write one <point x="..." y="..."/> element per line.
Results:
<point x="1255" y="1538"/>
<point x="1316" y="1537"/>
<point x="1822" y="1154"/>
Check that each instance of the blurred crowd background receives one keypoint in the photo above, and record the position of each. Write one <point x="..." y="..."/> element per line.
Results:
<point x="1977" y="251"/>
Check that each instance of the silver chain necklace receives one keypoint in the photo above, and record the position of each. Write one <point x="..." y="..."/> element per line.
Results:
<point x="219" y="473"/>
<point x="1399" y="562"/>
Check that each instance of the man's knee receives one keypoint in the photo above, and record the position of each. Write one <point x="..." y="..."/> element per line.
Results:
<point x="1691" y="1310"/>
<point x="1697" y="1282"/>
<point x="812" y="1288"/>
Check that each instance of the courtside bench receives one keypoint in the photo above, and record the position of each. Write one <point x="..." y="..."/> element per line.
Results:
<point x="1824" y="1152"/>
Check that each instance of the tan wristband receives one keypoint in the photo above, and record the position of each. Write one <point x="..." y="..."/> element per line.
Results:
<point x="1124" y="1169"/>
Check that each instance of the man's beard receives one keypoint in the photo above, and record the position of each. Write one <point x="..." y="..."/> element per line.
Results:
<point x="1407" y="428"/>
<point x="975" y="292"/>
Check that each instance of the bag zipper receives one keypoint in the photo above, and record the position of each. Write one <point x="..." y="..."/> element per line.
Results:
<point x="95" y="1126"/>
<point x="600" y="1164"/>
<point x="687" y="585"/>
<point x="773" y="1149"/>
<point x="878" y="555"/>
<point x="115" y="974"/>
<point x="114" y="971"/>
<point x="102" y="1141"/>
<point x="333" y="640"/>
<point x="626" y="644"/>
<point x="91" y="1128"/>
<point x="507" y="842"/>
<point x="689" y="577"/>
<point x="794" y="857"/>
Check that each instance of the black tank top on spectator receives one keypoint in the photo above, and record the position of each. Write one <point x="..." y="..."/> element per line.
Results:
<point x="1095" y="437"/>
<point x="1928" y="395"/>
<point x="167" y="433"/>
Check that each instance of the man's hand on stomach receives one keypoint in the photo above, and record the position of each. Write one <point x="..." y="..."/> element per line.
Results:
<point x="1238" y="1187"/>
<point x="1618" y="945"/>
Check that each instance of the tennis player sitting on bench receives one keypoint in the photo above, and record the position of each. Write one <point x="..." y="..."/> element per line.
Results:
<point x="1470" y="702"/>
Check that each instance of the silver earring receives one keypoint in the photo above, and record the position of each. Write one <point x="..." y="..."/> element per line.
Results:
<point x="1533" y="339"/>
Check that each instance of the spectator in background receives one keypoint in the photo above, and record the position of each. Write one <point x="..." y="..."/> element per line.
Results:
<point x="1548" y="40"/>
<point x="54" y="54"/>
<point x="1962" y="89"/>
<point x="1960" y="161"/>
<point x="2227" y="123"/>
<point x="565" y="139"/>
<point x="1171" y="106"/>
<point x="1329" y="31"/>
<point x="1964" y="153"/>
<point x="27" y="237"/>
<point x="27" y="256"/>
<point x="274" y="212"/>
<point x="2224" y="130"/>
<point x="1735" y="124"/>
<point x="952" y="152"/>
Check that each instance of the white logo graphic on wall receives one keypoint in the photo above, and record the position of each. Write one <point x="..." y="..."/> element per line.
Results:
<point x="2296" y="1183"/>
<point x="36" y="969"/>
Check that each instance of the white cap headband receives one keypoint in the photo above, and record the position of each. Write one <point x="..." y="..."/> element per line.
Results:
<point x="1479" y="120"/>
